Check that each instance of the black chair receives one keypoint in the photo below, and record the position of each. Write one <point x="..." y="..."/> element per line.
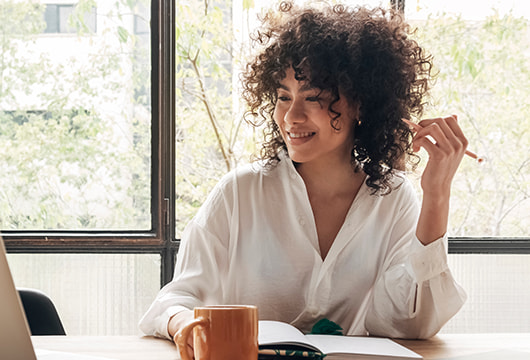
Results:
<point x="41" y="314"/>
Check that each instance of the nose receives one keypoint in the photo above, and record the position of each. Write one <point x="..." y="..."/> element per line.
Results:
<point x="296" y="113"/>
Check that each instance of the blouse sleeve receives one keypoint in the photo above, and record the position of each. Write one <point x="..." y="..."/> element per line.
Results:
<point x="416" y="294"/>
<point x="201" y="263"/>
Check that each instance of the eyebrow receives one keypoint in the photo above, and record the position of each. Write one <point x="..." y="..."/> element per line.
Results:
<point x="305" y="87"/>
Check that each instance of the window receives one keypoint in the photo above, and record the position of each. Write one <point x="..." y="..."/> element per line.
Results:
<point x="65" y="19"/>
<point x="76" y="122"/>
<point x="481" y="55"/>
<point x="497" y="289"/>
<point x="86" y="172"/>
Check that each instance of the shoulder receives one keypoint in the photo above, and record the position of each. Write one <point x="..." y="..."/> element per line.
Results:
<point x="252" y="174"/>
<point x="402" y="189"/>
<point x="402" y="184"/>
<point x="243" y="173"/>
<point x="404" y="195"/>
<point x="397" y="209"/>
<point x="241" y="180"/>
<point x="244" y="181"/>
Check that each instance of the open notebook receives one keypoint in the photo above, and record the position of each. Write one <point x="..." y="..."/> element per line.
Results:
<point x="15" y="340"/>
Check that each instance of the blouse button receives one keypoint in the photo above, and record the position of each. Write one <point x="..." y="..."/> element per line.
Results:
<point x="301" y="220"/>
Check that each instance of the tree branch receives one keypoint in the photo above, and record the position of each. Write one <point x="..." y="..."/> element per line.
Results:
<point x="211" y="115"/>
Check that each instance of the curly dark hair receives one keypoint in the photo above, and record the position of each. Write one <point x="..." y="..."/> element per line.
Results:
<point x="367" y="55"/>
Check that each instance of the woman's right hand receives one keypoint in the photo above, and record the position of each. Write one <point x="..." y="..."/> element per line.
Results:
<point x="176" y="323"/>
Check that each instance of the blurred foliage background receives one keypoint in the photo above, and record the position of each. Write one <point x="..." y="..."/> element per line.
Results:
<point x="74" y="156"/>
<point x="482" y="76"/>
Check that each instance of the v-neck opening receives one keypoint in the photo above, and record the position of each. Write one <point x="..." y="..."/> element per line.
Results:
<point x="361" y="193"/>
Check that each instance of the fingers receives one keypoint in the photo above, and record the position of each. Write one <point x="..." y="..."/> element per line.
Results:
<point x="446" y="144"/>
<point x="190" y="351"/>
<point x="176" y="325"/>
<point x="190" y="347"/>
<point x="440" y="137"/>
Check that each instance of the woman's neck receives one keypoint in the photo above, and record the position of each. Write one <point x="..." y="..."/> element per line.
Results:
<point x="330" y="178"/>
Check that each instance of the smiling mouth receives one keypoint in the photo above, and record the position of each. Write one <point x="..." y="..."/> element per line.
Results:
<point x="300" y="135"/>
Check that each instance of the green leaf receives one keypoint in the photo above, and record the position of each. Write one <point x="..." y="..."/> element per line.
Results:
<point x="123" y="34"/>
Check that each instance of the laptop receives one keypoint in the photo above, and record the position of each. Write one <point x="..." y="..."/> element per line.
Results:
<point x="15" y="336"/>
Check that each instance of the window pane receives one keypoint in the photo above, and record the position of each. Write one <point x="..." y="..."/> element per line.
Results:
<point x="210" y="137"/>
<point x="108" y="299"/>
<point x="51" y="19"/>
<point x="65" y="11"/>
<point x="498" y="293"/>
<point x="482" y="53"/>
<point x="75" y="118"/>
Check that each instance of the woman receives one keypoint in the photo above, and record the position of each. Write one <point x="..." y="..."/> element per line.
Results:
<point x="326" y="225"/>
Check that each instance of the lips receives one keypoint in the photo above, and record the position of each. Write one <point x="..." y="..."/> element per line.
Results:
<point x="300" y="135"/>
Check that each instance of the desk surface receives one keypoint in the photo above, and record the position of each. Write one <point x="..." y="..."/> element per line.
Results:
<point x="444" y="346"/>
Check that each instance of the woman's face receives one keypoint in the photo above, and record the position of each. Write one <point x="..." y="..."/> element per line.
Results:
<point x="302" y="115"/>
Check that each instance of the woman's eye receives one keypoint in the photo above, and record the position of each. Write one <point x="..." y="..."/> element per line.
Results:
<point x="313" y="98"/>
<point x="283" y="98"/>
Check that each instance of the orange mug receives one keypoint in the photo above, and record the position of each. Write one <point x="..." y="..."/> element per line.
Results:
<point x="222" y="332"/>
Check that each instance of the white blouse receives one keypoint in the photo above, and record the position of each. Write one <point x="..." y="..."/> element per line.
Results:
<point x="254" y="241"/>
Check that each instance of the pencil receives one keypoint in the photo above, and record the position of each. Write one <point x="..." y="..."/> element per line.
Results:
<point x="468" y="153"/>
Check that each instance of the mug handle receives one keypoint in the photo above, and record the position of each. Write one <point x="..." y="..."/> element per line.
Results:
<point x="184" y="333"/>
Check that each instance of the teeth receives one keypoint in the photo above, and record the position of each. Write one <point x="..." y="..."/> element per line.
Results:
<point x="300" y="135"/>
